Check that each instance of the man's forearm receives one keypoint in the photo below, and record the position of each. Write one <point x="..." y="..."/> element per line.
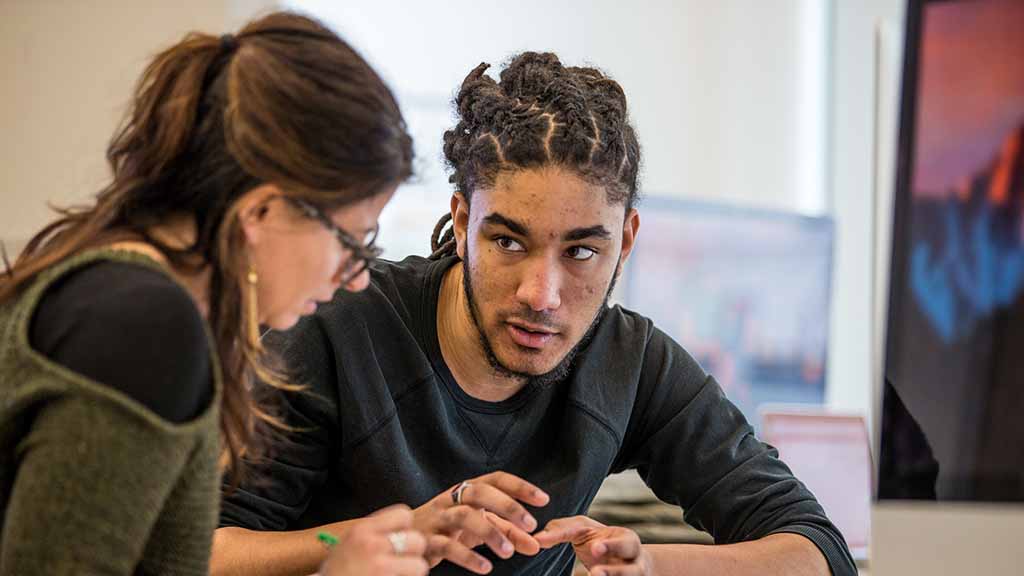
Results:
<point x="789" y="554"/>
<point x="238" y="551"/>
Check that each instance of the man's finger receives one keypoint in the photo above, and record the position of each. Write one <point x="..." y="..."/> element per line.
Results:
<point x="516" y="487"/>
<point x="458" y="554"/>
<point x="472" y="522"/>
<point x="487" y="497"/>
<point x="625" y="546"/>
<point x="562" y="530"/>
<point x="524" y="543"/>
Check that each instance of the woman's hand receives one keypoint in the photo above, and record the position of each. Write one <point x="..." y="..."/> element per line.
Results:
<point x="382" y="544"/>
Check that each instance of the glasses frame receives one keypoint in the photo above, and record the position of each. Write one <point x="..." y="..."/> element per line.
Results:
<point x="361" y="255"/>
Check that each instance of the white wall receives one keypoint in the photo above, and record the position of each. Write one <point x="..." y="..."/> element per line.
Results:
<point x="68" y="68"/>
<point x="865" y="66"/>
<point x="728" y="97"/>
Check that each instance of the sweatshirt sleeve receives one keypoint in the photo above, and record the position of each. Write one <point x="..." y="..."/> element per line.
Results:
<point x="94" y="473"/>
<point x="695" y="449"/>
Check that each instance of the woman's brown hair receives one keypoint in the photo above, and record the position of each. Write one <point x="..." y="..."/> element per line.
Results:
<point x="285" y="102"/>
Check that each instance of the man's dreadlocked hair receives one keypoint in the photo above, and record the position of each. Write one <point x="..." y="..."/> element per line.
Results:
<point x="540" y="114"/>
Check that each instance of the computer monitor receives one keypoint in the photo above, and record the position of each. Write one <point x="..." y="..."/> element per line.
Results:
<point x="745" y="291"/>
<point x="950" y="481"/>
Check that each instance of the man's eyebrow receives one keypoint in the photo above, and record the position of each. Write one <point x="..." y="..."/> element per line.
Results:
<point x="516" y="227"/>
<point x="598" y="231"/>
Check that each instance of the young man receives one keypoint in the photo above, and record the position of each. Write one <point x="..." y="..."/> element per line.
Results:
<point x="491" y="387"/>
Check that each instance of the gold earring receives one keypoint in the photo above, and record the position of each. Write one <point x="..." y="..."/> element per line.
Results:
<point x="253" y="326"/>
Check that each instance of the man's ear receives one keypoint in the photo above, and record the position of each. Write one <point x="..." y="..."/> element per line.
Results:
<point x="630" y="229"/>
<point x="460" y="222"/>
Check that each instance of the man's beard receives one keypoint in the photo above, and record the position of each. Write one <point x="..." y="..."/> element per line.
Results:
<point x="568" y="362"/>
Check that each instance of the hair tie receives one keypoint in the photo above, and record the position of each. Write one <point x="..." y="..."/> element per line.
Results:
<point x="228" y="43"/>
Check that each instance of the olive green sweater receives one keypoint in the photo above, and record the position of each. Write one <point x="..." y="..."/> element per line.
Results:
<point x="91" y="481"/>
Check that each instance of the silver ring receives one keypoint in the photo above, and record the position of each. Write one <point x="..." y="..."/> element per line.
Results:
<point x="457" y="493"/>
<point x="398" y="542"/>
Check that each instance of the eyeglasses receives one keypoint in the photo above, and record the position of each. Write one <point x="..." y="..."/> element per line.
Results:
<point x="361" y="254"/>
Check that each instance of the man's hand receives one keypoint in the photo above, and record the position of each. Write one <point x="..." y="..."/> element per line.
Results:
<point x="603" y="550"/>
<point x="484" y="510"/>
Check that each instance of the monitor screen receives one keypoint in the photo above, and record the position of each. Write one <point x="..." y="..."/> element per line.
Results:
<point x="952" y="422"/>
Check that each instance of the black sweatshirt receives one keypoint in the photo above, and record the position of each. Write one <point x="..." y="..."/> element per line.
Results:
<point x="384" y="422"/>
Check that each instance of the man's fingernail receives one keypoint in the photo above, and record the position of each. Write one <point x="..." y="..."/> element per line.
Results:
<point x="529" y="522"/>
<point x="485" y="566"/>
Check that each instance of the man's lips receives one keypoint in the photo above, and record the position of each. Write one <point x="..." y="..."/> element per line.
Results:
<point x="529" y="335"/>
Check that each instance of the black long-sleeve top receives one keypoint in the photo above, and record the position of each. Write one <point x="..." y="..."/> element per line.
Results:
<point x="384" y="422"/>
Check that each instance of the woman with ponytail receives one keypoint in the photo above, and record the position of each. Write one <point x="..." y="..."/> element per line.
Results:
<point x="247" y="180"/>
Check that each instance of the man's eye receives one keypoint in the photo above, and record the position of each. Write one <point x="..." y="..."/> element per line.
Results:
<point x="508" y="244"/>
<point x="580" y="253"/>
